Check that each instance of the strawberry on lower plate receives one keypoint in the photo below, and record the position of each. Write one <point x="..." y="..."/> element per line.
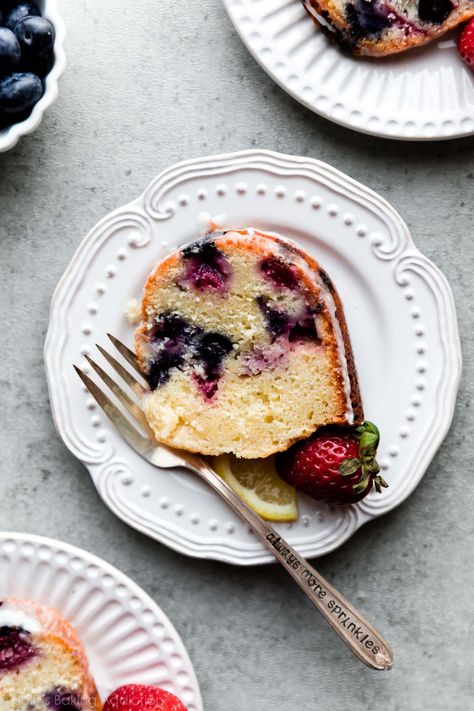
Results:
<point x="336" y="464"/>
<point x="466" y="43"/>
<point x="137" y="697"/>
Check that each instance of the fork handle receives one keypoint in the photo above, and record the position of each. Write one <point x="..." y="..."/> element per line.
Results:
<point x="358" y="634"/>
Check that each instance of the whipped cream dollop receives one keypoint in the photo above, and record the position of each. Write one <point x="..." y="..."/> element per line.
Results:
<point x="12" y="617"/>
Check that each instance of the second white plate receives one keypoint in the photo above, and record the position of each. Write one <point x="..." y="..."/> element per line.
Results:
<point x="423" y="94"/>
<point x="398" y="306"/>
<point x="128" y="639"/>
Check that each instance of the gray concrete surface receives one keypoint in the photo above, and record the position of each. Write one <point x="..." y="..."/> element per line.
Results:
<point x="144" y="88"/>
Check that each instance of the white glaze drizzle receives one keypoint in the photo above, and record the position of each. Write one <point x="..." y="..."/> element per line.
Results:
<point x="12" y="617"/>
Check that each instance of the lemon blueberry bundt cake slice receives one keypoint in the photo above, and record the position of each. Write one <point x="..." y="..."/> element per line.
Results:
<point x="381" y="27"/>
<point x="43" y="666"/>
<point x="245" y="347"/>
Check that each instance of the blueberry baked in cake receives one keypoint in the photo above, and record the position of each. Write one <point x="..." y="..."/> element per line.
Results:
<point x="43" y="666"/>
<point x="381" y="27"/>
<point x="245" y="347"/>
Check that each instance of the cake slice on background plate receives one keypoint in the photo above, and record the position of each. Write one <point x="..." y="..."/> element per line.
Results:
<point x="381" y="27"/>
<point x="245" y="346"/>
<point x="43" y="666"/>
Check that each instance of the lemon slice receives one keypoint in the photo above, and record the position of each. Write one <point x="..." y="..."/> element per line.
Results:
<point x="258" y="484"/>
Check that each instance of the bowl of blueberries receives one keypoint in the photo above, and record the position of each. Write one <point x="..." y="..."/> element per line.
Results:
<point x="31" y="61"/>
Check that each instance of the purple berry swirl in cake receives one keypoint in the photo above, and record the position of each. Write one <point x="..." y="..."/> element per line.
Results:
<point x="245" y="347"/>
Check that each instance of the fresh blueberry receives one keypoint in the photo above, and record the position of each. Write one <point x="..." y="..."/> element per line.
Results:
<point x="19" y="92"/>
<point x="62" y="699"/>
<point x="35" y="35"/>
<point x="15" y="647"/>
<point x="10" y="52"/>
<point x="39" y="65"/>
<point x="7" y="120"/>
<point x="19" y="12"/>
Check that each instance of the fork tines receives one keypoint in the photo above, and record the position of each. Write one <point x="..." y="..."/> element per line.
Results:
<point x="126" y="352"/>
<point x="117" y="417"/>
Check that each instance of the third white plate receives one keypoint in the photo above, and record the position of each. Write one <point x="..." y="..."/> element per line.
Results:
<point x="128" y="639"/>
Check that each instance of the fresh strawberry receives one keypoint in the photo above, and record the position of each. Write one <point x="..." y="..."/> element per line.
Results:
<point x="136" y="697"/>
<point x="466" y="43"/>
<point x="335" y="464"/>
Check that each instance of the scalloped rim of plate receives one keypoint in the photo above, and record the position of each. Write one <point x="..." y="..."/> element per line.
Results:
<point x="120" y="577"/>
<point x="225" y="550"/>
<point x="11" y="136"/>
<point x="345" y="122"/>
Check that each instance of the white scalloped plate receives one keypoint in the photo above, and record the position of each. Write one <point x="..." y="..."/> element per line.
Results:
<point x="423" y="94"/>
<point x="127" y="637"/>
<point x="399" y="310"/>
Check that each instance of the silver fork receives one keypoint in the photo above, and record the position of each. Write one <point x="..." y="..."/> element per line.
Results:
<point x="360" y="636"/>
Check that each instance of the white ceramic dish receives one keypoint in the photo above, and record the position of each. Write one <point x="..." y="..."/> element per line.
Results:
<point x="128" y="639"/>
<point x="399" y="310"/>
<point x="10" y="136"/>
<point x="423" y="94"/>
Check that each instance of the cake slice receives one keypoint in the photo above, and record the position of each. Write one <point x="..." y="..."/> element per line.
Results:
<point x="245" y="347"/>
<point x="381" y="27"/>
<point x="43" y="666"/>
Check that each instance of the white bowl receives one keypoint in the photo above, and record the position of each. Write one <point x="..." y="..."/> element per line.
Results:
<point x="10" y="136"/>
